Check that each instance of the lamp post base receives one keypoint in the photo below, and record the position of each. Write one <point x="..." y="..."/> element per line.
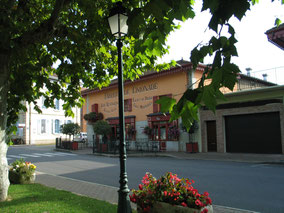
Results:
<point x="123" y="202"/>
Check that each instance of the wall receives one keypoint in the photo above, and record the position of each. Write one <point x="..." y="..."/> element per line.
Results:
<point x="206" y="115"/>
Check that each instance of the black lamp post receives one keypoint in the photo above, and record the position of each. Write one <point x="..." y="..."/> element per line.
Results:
<point x="118" y="26"/>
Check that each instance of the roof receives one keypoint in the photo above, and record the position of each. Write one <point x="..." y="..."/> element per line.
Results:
<point x="182" y="66"/>
<point x="276" y="36"/>
<point x="258" y="80"/>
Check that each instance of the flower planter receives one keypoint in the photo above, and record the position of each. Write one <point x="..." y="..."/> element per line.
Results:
<point x="16" y="178"/>
<point x="161" y="207"/>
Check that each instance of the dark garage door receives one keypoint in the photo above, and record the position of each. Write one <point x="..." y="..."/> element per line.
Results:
<point x="253" y="133"/>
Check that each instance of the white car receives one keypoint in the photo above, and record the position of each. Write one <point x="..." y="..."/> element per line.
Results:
<point x="81" y="137"/>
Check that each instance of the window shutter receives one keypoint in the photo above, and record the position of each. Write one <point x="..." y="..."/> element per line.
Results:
<point x="155" y="106"/>
<point x="52" y="126"/>
<point x="130" y="104"/>
<point x="47" y="127"/>
<point x="95" y="108"/>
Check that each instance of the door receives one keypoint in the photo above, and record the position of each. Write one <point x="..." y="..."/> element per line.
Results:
<point x="211" y="136"/>
<point x="160" y="134"/>
<point x="253" y="133"/>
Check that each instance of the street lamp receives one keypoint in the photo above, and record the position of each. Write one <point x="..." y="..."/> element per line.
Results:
<point x="117" y="22"/>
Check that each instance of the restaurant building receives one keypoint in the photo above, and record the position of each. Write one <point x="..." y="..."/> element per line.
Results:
<point x="143" y="119"/>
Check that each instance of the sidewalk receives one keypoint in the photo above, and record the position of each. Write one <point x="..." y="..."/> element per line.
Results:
<point x="109" y="194"/>
<point x="233" y="157"/>
<point x="102" y="192"/>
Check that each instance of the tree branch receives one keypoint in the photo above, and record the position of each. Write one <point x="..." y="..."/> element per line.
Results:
<point x="45" y="30"/>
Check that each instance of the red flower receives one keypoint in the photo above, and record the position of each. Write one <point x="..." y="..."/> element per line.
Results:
<point x="165" y="193"/>
<point x="208" y="201"/>
<point x="133" y="198"/>
<point x="140" y="186"/>
<point x="184" y="204"/>
<point x="197" y="202"/>
<point x="206" y="194"/>
<point x="204" y="210"/>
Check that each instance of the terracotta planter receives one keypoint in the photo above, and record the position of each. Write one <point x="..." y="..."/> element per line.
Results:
<point x="161" y="207"/>
<point x="16" y="178"/>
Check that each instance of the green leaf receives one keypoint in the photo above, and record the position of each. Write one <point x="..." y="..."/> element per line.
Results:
<point x="277" y="21"/>
<point x="166" y="103"/>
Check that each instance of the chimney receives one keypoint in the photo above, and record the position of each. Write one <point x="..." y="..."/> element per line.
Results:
<point x="248" y="71"/>
<point x="264" y="76"/>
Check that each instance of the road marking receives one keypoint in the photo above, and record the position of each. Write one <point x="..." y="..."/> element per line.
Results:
<point x="33" y="156"/>
<point x="61" y="154"/>
<point x="44" y="154"/>
<point x="15" y="156"/>
<point x="39" y="155"/>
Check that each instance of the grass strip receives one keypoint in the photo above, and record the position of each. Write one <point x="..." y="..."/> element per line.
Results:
<point x="36" y="198"/>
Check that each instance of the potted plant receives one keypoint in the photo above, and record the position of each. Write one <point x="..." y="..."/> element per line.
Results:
<point x="170" y="194"/>
<point x="173" y="132"/>
<point x="148" y="131"/>
<point x="22" y="172"/>
<point x="102" y="128"/>
<point x="71" y="129"/>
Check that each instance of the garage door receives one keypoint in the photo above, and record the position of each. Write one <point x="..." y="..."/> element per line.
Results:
<point x="253" y="133"/>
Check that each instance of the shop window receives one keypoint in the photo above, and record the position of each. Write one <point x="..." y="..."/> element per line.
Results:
<point x="128" y="105"/>
<point x="162" y="131"/>
<point x="130" y="131"/>
<point x="157" y="107"/>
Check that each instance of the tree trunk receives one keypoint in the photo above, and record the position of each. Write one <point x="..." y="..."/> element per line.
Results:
<point x="4" y="74"/>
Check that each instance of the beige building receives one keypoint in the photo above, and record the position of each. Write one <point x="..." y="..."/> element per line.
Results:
<point x="141" y="111"/>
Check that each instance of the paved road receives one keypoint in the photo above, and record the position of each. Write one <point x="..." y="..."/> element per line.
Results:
<point x="256" y="187"/>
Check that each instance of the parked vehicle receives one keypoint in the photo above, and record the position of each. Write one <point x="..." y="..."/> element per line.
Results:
<point x="81" y="137"/>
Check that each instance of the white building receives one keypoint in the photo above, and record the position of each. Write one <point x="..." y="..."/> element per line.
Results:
<point x="44" y="128"/>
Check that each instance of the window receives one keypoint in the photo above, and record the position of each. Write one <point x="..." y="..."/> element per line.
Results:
<point x="156" y="107"/>
<point x="57" y="126"/>
<point x="43" y="126"/>
<point x="130" y="131"/>
<point x="127" y="105"/>
<point x="56" y="104"/>
<point x="69" y="121"/>
<point x="95" y="108"/>
<point x="43" y="100"/>
<point x="163" y="130"/>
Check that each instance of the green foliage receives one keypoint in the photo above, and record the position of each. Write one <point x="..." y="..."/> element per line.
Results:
<point x="93" y="116"/>
<point x="36" y="34"/>
<point x="102" y="127"/>
<point x="70" y="129"/>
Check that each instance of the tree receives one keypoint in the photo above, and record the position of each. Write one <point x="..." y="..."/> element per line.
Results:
<point x="70" y="129"/>
<point x="102" y="127"/>
<point x="37" y="33"/>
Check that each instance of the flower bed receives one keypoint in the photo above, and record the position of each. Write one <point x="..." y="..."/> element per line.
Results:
<point x="22" y="172"/>
<point x="169" y="189"/>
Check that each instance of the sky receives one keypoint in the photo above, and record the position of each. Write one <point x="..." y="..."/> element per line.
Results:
<point x="254" y="49"/>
